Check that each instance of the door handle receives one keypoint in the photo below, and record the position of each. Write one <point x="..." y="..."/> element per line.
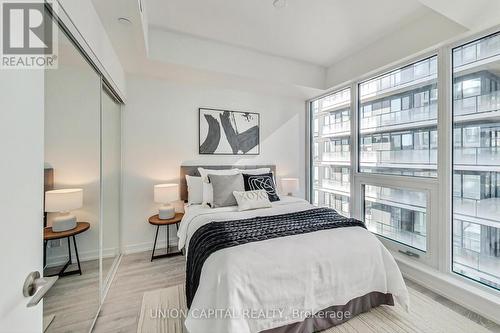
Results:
<point x="36" y="287"/>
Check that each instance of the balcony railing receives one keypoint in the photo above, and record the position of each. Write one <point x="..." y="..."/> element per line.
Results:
<point x="477" y="104"/>
<point x="341" y="207"/>
<point x="400" y="117"/>
<point x="487" y="156"/>
<point x="486" y="209"/>
<point x="404" y="197"/>
<point x="485" y="48"/>
<point x="343" y="127"/>
<point x="400" y="78"/>
<point x="421" y="156"/>
<point x="477" y="266"/>
<point x="415" y="240"/>
<point x="336" y="185"/>
<point x="338" y="156"/>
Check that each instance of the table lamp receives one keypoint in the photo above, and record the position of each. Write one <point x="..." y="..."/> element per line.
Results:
<point x="290" y="185"/>
<point x="165" y="194"/>
<point x="63" y="201"/>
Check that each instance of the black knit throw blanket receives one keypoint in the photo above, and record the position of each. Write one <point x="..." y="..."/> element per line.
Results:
<point x="215" y="236"/>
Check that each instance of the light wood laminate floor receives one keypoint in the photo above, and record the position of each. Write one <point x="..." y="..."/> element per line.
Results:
<point x="74" y="299"/>
<point x="136" y="274"/>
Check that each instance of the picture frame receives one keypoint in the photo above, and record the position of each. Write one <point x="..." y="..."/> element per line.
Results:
<point x="228" y="132"/>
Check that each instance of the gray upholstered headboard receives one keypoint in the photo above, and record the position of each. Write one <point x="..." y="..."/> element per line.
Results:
<point x="192" y="170"/>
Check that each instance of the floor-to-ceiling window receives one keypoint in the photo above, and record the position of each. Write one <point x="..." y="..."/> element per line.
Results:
<point x="331" y="153"/>
<point x="385" y="159"/>
<point x="476" y="160"/>
<point x="397" y="136"/>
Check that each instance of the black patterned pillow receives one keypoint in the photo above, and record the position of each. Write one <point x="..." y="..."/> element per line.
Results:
<point x="261" y="182"/>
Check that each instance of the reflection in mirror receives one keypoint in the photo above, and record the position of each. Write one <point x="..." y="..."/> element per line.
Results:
<point x="111" y="176"/>
<point x="72" y="151"/>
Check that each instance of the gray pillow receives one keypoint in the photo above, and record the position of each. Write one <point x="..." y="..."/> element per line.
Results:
<point x="224" y="186"/>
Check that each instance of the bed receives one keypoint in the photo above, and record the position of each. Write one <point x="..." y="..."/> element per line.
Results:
<point x="302" y="282"/>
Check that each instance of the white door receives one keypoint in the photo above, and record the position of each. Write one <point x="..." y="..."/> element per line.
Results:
<point x="21" y="191"/>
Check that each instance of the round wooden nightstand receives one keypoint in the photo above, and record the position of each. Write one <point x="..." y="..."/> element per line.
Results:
<point x="155" y="220"/>
<point x="48" y="235"/>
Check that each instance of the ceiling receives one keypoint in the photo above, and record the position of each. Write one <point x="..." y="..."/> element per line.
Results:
<point x="320" y="32"/>
<point x="253" y="39"/>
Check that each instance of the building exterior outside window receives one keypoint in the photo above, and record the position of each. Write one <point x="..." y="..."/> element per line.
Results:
<point x="398" y="121"/>
<point x="397" y="135"/>
<point x="476" y="160"/>
<point x="398" y="214"/>
<point x="331" y="169"/>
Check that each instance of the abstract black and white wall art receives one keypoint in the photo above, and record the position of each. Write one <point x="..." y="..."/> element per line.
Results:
<point x="225" y="132"/>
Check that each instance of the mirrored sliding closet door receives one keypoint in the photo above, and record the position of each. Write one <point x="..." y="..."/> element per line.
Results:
<point x="82" y="189"/>
<point x="111" y="180"/>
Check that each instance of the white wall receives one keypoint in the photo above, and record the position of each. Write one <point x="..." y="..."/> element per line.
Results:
<point x="21" y="170"/>
<point x="160" y="132"/>
<point x="86" y="23"/>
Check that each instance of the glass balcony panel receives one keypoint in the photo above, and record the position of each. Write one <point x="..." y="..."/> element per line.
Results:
<point x="424" y="69"/>
<point x="338" y="156"/>
<point x="400" y="117"/>
<point x="476" y="51"/>
<point x="402" y="157"/>
<point x="397" y="214"/>
<point x="489" y="156"/>
<point x="343" y="128"/>
<point x="471" y="259"/>
<point x="336" y="185"/>
<point x="477" y="104"/>
<point x="485" y="209"/>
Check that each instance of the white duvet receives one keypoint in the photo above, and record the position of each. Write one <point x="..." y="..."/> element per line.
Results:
<point x="261" y="285"/>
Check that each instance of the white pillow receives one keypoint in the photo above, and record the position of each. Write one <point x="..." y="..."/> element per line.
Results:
<point x="208" y="191"/>
<point x="195" y="190"/>
<point x="259" y="171"/>
<point x="248" y="200"/>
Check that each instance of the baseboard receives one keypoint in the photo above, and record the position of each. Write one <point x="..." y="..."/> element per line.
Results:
<point x="146" y="246"/>
<point x="53" y="261"/>
<point x="472" y="297"/>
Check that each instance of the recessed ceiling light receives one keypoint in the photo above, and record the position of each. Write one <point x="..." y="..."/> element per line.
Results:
<point x="124" y="21"/>
<point x="279" y="3"/>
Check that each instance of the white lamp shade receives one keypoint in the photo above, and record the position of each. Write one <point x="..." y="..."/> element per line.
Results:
<point x="63" y="200"/>
<point x="166" y="193"/>
<point x="290" y="185"/>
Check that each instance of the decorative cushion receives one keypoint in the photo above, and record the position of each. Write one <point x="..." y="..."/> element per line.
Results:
<point x="223" y="187"/>
<point x="248" y="200"/>
<point x="261" y="182"/>
<point x="195" y="190"/>
<point x="207" y="187"/>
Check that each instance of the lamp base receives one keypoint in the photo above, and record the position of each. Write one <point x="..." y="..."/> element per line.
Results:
<point x="166" y="212"/>
<point x="64" y="223"/>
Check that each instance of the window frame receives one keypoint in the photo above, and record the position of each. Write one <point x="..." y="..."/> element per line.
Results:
<point x="464" y="42"/>
<point x="441" y="188"/>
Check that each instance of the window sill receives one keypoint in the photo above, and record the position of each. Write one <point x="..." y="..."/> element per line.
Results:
<point x="469" y="294"/>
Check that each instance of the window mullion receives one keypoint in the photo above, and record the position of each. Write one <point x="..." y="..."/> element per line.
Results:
<point x="355" y="197"/>
<point x="445" y="146"/>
